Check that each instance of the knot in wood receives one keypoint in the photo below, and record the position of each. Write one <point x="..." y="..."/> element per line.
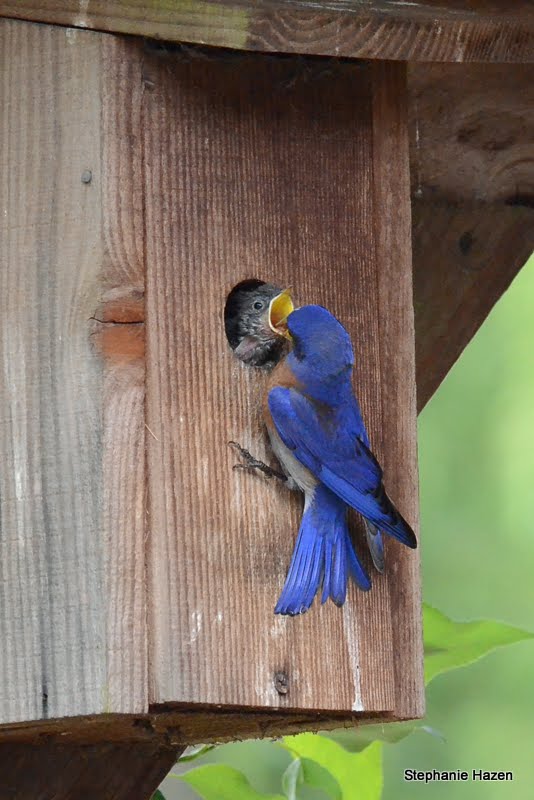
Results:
<point x="281" y="683"/>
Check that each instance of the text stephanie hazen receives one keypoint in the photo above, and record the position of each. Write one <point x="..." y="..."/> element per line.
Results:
<point x="431" y="775"/>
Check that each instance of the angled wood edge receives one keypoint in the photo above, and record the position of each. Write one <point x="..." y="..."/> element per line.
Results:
<point x="471" y="142"/>
<point x="482" y="248"/>
<point x="424" y="30"/>
<point x="180" y="725"/>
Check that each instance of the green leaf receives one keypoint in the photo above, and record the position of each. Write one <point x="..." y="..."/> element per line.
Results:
<point x="317" y="777"/>
<point x="358" y="775"/>
<point x="158" y="795"/>
<point x="196" y="751"/>
<point x="359" y="737"/>
<point x="451" y="644"/>
<point x="219" y="782"/>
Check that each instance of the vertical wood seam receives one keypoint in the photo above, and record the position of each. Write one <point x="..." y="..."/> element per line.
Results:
<point x="148" y="519"/>
<point x="385" y="74"/>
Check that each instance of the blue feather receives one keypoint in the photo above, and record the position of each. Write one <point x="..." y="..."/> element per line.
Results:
<point x="323" y="553"/>
<point x="341" y="462"/>
<point x="320" y="422"/>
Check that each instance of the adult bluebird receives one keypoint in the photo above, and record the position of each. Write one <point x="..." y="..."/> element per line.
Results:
<point x="318" y="435"/>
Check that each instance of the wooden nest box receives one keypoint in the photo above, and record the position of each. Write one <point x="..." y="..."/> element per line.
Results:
<point x="140" y="183"/>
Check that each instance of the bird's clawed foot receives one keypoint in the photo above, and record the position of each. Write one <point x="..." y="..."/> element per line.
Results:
<point x="250" y="463"/>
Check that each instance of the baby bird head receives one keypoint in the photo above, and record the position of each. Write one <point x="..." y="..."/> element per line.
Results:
<point x="255" y="316"/>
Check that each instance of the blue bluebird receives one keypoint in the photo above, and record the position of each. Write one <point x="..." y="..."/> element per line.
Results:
<point x="318" y="435"/>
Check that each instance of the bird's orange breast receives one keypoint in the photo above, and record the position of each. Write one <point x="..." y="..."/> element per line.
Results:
<point x="281" y="375"/>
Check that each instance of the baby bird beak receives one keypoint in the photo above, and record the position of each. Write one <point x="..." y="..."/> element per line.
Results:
<point x="280" y="308"/>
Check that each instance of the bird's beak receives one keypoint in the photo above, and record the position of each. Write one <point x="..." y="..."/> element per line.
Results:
<point x="280" y="308"/>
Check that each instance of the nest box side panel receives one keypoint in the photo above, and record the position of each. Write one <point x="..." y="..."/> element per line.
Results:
<point x="391" y="178"/>
<point x="264" y="167"/>
<point x="71" y="483"/>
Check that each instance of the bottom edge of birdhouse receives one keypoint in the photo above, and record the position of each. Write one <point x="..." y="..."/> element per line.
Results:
<point x="186" y="725"/>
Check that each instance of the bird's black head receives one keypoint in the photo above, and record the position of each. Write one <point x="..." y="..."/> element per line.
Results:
<point x="246" y="319"/>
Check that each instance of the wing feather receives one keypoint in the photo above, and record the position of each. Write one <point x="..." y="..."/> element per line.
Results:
<point x="337" y="457"/>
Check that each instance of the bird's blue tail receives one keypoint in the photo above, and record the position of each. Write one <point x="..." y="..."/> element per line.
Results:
<point x="323" y="553"/>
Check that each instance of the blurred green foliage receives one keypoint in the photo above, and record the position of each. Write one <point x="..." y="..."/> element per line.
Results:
<point x="476" y="453"/>
<point x="476" y="462"/>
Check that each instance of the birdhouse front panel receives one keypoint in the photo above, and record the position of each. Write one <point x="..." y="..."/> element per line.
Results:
<point x="294" y="173"/>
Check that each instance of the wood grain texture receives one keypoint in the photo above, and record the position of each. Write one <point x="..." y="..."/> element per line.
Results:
<point x="422" y="30"/>
<point x="62" y="771"/>
<point x="70" y="534"/>
<point x="471" y="131"/>
<point x="482" y="248"/>
<point x="203" y="169"/>
<point x="53" y="611"/>
<point x="391" y="181"/>
<point x="255" y="168"/>
<point x="472" y="138"/>
<point x="121" y="340"/>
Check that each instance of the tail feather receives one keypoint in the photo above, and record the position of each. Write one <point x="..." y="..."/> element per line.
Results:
<point x="356" y="569"/>
<point x="323" y="553"/>
<point x="375" y="544"/>
<point x="315" y="572"/>
<point x="328" y="560"/>
<point x="338" y="591"/>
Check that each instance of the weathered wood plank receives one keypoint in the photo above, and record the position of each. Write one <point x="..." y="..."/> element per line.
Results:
<point x="482" y="248"/>
<point x="422" y="30"/>
<point x="121" y="344"/>
<point x="472" y="134"/>
<point x="244" y="180"/>
<point x="67" y="550"/>
<point x="397" y="360"/>
<point x="179" y="727"/>
<point x="78" y="95"/>
<point x="53" y="612"/>
<point x="472" y="129"/>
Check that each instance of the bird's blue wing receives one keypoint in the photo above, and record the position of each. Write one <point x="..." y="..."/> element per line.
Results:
<point x="352" y="419"/>
<point x="352" y="422"/>
<point x="331" y="449"/>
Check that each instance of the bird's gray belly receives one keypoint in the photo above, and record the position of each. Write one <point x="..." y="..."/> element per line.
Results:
<point x="301" y="476"/>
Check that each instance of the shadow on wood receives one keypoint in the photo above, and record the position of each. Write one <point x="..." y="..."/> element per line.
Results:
<point x="52" y="771"/>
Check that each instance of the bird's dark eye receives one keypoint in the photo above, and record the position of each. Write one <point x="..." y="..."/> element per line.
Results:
<point x="258" y="305"/>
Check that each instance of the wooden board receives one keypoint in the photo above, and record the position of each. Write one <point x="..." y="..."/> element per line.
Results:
<point x="392" y="213"/>
<point x="224" y="186"/>
<point x="178" y="726"/>
<point x="118" y="161"/>
<point x="63" y="771"/>
<point x="421" y="30"/>
<point x="472" y="135"/>
<point x="119" y="340"/>
<point x="255" y="167"/>
<point x="71" y="402"/>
